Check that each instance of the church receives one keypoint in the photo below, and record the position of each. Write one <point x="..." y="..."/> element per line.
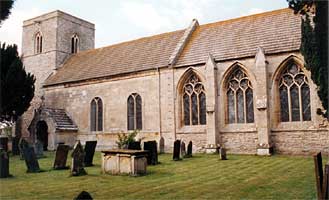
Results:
<point x="239" y="83"/>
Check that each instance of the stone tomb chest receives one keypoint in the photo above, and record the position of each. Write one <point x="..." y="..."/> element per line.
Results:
<point x="124" y="161"/>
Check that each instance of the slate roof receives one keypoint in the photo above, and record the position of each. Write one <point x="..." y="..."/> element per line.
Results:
<point x="276" y="31"/>
<point x="61" y="119"/>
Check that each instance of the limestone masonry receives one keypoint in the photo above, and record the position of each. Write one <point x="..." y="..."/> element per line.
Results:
<point x="239" y="83"/>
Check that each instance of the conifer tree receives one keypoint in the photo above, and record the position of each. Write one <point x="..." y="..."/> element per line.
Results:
<point x="5" y="6"/>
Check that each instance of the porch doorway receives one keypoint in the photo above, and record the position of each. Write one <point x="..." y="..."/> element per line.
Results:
<point x="42" y="133"/>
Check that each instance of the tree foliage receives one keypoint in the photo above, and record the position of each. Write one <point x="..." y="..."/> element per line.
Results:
<point x="17" y="86"/>
<point x="5" y="7"/>
<point x="314" y="46"/>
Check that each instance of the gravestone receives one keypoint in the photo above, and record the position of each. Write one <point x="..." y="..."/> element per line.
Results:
<point x="15" y="148"/>
<point x="189" y="150"/>
<point x="318" y="174"/>
<point x="326" y="182"/>
<point x="183" y="150"/>
<point x="4" y="143"/>
<point x="83" y="195"/>
<point x="162" y="145"/>
<point x="176" y="150"/>
<point x="23" y="144"/>
<point x="38" y="148"/>
<point x="4" y="164"/>
<point x="61" y="157"/>
<point x="151" y="147"/>
<point x="31" y="160"/>
<point x="135" y="145"/>
<point x="78" y="156"/>
<point x="89" y="152"/>
<point x="222" y="153"/>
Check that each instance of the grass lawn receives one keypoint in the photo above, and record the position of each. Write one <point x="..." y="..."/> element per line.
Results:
<point x="200" y="177"/>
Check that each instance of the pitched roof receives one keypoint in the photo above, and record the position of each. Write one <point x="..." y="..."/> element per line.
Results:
<point x="61" y="119"/>
<point x="276" y="31"/>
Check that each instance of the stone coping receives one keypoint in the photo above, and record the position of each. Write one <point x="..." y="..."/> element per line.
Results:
<point x="124" y="151"/>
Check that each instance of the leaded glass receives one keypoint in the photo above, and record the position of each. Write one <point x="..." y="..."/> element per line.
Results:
<point x="250" y="106"/>
<point x="93" y="115"/>
<point x="231" y="108"/>
<point x="306" y="102"/>
<point x="202" y="108"/>
<point x="240" y="106"/>
<point x="284" y="104"/>
<point x="194" y="105"/>
<point x="138" y="112"/>
<point x="131" y="113"/>
<point x="295" y="112"/>
<point x="99" y="115"/>
<point x="186" y="103"/>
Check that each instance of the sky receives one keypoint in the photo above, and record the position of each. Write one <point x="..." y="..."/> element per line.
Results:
<point x="122" y="20"/>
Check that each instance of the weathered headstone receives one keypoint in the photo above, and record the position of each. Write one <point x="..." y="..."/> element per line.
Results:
<point x="176" y="150"/>
<point x="31" y="160"/>
<point x="78" y="156"/>
<point x="61" y="157"/>
<point x="135" y="145"/>
<point x="189" y="150"/>
<point x="23" y="144"/>
<point x="151" y="147"/>
<point x="4" y="164"/>
<point x="318" y="174"/>
<point x="83" y="195"/>
<point x="38" y="148"/>
<point x="326" y="182"/>
<point x="89" y="152"/>
<point x="4" y="143"/>
<point x="183" y="150"/>
<point x="162" y="145"/>
<point x="222" y="153"/>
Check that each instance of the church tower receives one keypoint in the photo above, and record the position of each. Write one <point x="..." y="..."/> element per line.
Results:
<point x="47" y="41"/>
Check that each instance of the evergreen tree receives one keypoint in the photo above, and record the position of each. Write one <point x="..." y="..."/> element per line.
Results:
<point x="17" y="86"/>
<point x="5" y="6"/>
<point x="314" y="46"/>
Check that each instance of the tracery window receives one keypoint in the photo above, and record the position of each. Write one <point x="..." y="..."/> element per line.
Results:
<point x="194" y="102"/>
<point x="74" y="43"/>
<point x="38" y="42"/>
<point x="134" y="112"/>
<point x="96" y="114"/>
<point x="295" y="103"/>
<point x="240" y="105"/>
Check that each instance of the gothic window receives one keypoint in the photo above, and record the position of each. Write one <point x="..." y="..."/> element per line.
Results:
<point x="75" y="44"/>
<point x="240" y="105"/>
<point x="294" y="90"/>
<point x="38" y="43"/>
<point x="194" y="102"/>
<point x="96" y="114"/>
<point x="134" y="112"/>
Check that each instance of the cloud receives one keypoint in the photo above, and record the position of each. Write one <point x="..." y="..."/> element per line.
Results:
<point x="11" y="29"/>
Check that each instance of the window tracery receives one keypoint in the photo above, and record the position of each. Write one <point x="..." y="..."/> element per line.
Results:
<point x="96" y="114"/>
<point x="134" y="112"/>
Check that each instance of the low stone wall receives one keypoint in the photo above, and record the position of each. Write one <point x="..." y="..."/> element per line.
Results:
<point x="239" y="142"/>
<point x="199" y="141"/>
<point x="305" y="142"/>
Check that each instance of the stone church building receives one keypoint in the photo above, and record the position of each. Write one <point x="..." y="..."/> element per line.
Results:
<point x="238" y="83"/>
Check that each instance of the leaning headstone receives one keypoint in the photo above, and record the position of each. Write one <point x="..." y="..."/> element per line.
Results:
<point x="318" y="174"/>
<point x="4" y="143"/>
<point x="222" y="153"/>
<point x="38" y="148"/>
<point x="31" y="160"/>
<point x="22" y="144"/>
<point x="61" y="157"/>
<point x="151" y="147"/>
<point x="135" y="145"/>
<point x="78" y="156"/>
<point x="182" y="150"/>
<point x="83" y="195"/>
<point x="176" y="150"/>
<point x="89" y="152"/>
<point x="4" y="164"/>
<point x="189" y="150"/>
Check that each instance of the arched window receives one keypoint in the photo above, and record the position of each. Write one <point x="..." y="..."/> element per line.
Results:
<point x="240" y="106"/>
<point x="134" y="112"/>
<point x="38" y="43"/>
<point x="294" y="90"/>
<point x="194" y="102"/>
<point x="75" y="44"/>
<point x="96" y="114"/>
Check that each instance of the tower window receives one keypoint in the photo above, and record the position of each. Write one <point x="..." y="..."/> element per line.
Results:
<point x="74" y="43"/>
<point x="38" y="43"/>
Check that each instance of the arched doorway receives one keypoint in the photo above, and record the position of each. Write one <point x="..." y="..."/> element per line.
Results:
<point x="42" y="133"/>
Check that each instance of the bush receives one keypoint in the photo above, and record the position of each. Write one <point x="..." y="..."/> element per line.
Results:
<point x="125" y="139"/>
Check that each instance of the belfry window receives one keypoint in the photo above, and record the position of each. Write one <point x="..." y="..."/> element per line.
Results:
<point x="194" y="102"/>
<point x="134" y="112"/>
<point x="38" y="43"/>
<point x="75" y="44"/>
<point x="96" y="114"/>
<point x="294" y="90"/>
<point x="240" y="106"/>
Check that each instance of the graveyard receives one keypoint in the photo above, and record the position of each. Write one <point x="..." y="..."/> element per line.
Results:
<point x="201" y="176"/>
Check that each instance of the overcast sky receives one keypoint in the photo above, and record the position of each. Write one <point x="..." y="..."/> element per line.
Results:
<point x="122" y="20"/>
